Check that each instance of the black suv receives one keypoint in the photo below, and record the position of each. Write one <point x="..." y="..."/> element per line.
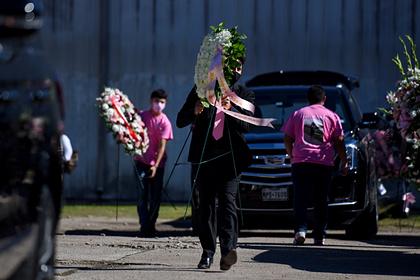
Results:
<point x="266" y="188"/>
<point x="30" y="165"/>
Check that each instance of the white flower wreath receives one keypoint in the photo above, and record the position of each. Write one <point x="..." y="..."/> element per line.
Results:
<point x="207" y="50"/>
<point x="122" y="119"/>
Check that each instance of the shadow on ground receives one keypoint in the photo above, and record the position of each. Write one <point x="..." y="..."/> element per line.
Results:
<point x="133" y="267"/>
<point x="176" y="228"/>
<point x="375" y="257"/>
<point x="126" y="233"/>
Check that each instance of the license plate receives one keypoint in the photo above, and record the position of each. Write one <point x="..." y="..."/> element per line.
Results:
<point x="281" y="194"/>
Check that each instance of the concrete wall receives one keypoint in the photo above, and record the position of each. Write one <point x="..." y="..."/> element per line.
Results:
<point x="140" y="45"/>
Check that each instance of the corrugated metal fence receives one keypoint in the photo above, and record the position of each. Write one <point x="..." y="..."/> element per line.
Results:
<point x="140" y="45"/>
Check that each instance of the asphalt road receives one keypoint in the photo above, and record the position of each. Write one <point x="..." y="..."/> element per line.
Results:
<point x="93" y="248"/>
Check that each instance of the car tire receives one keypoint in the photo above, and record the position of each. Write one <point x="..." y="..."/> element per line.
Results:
<point x="366" y="225"/>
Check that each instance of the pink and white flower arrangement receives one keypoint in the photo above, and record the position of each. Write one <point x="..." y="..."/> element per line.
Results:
<point x="405" y="109"/>
<point x="122" y="120"/>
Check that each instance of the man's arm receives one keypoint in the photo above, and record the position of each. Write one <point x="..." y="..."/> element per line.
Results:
<point x="186" y="115"/>
<point x="288" y="143"/>
<point x="341" y="150"/>
<point x="161" y="153"/>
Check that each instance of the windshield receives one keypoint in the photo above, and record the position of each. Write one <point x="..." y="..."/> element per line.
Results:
<point x="280" y="103"/>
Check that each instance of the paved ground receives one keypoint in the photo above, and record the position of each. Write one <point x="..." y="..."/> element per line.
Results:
<point x="93" y="248"/>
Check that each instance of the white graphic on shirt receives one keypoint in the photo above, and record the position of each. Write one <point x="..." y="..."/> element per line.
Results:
<point x="314" y="130"/>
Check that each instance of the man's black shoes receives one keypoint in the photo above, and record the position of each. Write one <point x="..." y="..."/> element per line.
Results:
<point x="205" y="263"/>
<point x="228" y="260"/>
<point x="148" y="232"/>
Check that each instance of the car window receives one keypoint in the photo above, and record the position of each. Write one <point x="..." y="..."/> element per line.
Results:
<point x="355" y="109"/>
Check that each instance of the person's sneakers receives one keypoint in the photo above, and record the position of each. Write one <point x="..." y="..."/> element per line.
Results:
<point x="228" y="260"/>
<point x="205" y="263"/>
<point x="299" y="238"/>
<point x="319" y="242"/>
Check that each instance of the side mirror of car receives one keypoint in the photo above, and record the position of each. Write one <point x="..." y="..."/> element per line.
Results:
<point x="369" y="120"/>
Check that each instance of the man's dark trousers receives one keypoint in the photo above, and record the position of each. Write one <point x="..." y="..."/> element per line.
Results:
<point x="311" y="183"/>
<point x="222" y="220"/>
<point x="149" y="197"/>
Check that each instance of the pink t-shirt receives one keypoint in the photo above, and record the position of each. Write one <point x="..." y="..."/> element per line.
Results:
<point x="158" y="127"/>
<point x="314" y="129"/>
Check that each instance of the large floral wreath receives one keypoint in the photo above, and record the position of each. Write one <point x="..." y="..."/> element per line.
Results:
<point x="405" y="110"/>
<point x="231" y="42"/>
<point x="221" y="52"/>
<point x="122" y="119"/>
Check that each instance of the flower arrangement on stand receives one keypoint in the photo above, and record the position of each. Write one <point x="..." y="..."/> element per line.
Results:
<point x="122" y="120"/>
<point x="405" y="110"/>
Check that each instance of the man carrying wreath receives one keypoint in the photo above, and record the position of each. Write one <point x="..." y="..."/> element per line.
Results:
<point x="218" y="151"/>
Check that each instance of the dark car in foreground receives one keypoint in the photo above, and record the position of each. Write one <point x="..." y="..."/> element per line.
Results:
<point x="30" y="165"/>
<point x="266" y="189"/>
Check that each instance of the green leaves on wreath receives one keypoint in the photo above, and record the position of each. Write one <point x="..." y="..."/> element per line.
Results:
<point x="233" y="54"/>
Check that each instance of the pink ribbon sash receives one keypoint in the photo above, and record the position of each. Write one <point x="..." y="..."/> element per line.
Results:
<point x="126" y="124"/>
<point x="216" y="74"/>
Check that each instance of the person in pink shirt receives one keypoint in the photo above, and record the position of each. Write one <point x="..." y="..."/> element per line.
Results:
<point x="313" y="135"/>
<point x="151" y="165"/>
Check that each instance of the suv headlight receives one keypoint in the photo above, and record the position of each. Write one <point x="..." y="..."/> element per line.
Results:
<point x="352" y="150"/>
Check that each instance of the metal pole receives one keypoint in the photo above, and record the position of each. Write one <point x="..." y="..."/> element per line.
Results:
<point x="118" y="183"/>
<point x="103" y="71"/>
<point x="176" y="163"/>
<point x="201" y="159"/>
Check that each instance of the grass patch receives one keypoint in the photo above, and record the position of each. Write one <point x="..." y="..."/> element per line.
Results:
<point x="168" y="212"/>
<point x="124" y="211"/>
<point x="412" y="222"/>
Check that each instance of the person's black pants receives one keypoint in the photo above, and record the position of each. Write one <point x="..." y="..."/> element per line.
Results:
<point x="223" y="221"/>
<point x="149" y="196"/>
<point x="195" y="201"/>
<point x="311" y="183"/>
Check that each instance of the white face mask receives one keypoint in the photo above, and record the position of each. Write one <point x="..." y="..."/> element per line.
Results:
<point x="158" y="107"/>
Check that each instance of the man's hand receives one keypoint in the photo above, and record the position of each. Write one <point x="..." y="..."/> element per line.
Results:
<point x="341" y="150"/>
<point x="288" y="143"/>
<point x="152" y="171"/>
<point x="198" y="108"/>
<point x="226" y="102"/>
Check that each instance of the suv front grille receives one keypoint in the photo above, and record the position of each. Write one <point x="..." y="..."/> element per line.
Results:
<point x="270" y="166"/>
<point x="269" y="173"/>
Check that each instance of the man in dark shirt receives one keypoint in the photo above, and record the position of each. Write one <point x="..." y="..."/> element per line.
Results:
<point x="218" y="163"/>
